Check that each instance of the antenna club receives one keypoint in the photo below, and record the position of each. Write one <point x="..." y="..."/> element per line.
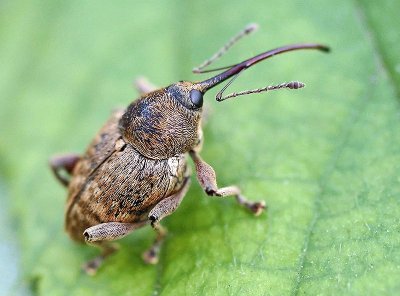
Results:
<point x="324" y="48"/>
<point x="251" y="28"/>
<point x="295" y="85"/>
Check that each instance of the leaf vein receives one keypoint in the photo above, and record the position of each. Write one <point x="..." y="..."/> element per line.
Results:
<point x="356" y="111"/>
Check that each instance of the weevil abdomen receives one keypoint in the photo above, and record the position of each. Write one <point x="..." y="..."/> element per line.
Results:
<point x="121" y="186"/>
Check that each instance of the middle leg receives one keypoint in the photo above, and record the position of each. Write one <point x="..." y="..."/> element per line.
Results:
<point x="163" y="209"/>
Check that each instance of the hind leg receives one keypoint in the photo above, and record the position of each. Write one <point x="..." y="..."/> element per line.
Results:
<point x="107" y="248"/>
<point x="64" y="162"/>
<point x="101" y="236"/>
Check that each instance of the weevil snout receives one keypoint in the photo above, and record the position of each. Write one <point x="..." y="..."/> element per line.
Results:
<point x="234" y="70"/>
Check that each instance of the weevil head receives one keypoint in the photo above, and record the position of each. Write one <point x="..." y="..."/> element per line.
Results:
<point x="165" y="122"/>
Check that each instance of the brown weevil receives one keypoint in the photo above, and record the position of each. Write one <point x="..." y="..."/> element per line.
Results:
<point x="135" y="170"/>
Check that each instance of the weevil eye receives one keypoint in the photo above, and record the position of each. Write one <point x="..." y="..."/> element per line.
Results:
<point x="196" y="97"/>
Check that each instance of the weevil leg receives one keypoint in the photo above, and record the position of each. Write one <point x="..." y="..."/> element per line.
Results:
<point x="100" y="236"/>
<point x="208" y="181"/>
<point x="143" y="86"/>
<point x="150" y="256"/>
<point x="164" y="208"/>
<point x="64" y="162"/>
<point x="107" y="248"/>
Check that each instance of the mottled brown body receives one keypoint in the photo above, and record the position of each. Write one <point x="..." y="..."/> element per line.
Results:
<point x="135" y="170"/>
<point x="113" y="182"/>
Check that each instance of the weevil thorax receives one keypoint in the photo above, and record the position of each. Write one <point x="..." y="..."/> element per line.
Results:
<point x="165" y="122"/>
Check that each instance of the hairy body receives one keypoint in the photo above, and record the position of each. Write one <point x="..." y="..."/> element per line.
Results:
<point x="112" y="182"/>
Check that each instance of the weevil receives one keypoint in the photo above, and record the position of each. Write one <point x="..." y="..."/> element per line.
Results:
<point x="135" y="170"/>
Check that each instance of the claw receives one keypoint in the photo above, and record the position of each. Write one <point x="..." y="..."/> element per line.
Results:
<point x="257" y="207"/>
<point x="91" y="267"/>
<point x="150" y="256"/>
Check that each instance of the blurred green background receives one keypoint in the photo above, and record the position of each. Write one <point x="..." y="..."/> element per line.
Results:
<point x="326" y="159"/>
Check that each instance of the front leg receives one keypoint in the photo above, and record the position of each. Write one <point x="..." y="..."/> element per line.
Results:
<point x="144" y="86"/>
<point x="208" y="181"/>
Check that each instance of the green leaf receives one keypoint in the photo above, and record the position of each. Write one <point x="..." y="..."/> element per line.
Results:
<point x="326" y="158"/>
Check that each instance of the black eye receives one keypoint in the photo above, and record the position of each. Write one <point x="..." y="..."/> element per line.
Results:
<point x="196" y="97"/>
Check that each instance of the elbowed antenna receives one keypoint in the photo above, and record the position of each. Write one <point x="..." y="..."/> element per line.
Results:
<point x="238" y="68"/>
<point x="246" y="31"/>
<point x="289" y="85"/>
